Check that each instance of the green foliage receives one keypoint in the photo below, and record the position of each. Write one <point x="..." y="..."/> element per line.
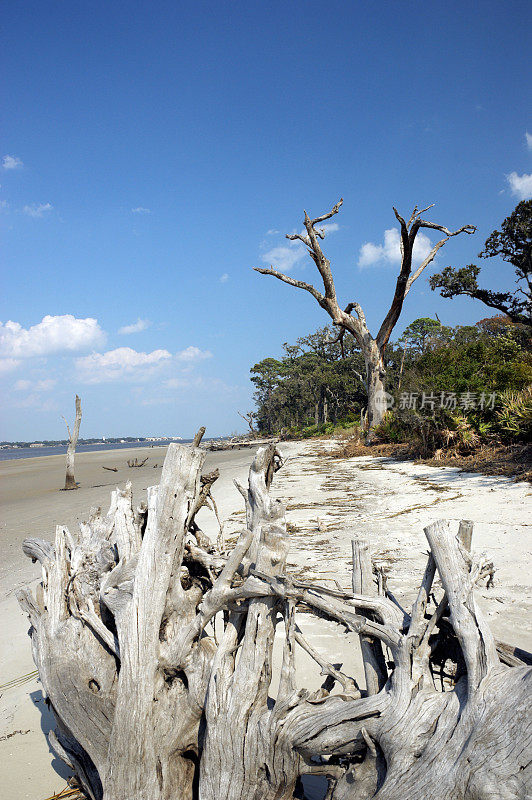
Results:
<point x="514" y="417"/>
<point x="312" y="385"/>
<point x="312" y="390"/>
<point x="513" y="244"/>
<point x="422" y="332"/>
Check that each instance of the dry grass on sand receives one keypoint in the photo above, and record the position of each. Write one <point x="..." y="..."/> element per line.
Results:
<point x="514" y="461"/>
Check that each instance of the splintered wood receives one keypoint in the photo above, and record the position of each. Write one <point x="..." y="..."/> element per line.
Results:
<point x="155" y="651"/>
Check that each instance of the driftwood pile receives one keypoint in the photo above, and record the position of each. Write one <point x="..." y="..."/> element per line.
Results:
<point x="237" y="443"/>
<point x="152" y="704"/>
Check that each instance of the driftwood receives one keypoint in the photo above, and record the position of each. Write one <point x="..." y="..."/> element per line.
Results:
<point x="233" y="444"/>
<point x="155" y="654"/>
<point x="134" y="462"/>
<point x="110" y="469"/>
<point x="70" y="481"/>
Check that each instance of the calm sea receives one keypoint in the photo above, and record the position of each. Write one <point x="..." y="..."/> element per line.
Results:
<point x="34" y="452"/>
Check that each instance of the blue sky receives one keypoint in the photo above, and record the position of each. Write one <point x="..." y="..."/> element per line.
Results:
<point x="155" y="152"/>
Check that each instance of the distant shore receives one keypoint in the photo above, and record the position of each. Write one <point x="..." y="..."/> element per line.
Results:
<point x="10" y="453"/>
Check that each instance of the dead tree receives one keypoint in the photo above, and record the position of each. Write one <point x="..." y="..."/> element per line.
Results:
<point x="250" y="419"/>
<point x="373" y="348"/>
<point x="70" y="481"/>
<point x="155" y="653"/>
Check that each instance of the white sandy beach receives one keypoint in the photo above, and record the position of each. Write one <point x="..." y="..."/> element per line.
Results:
<point x="328" y="501"/>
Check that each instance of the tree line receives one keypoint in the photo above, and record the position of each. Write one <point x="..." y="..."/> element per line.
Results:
<point x="432" y="370"/>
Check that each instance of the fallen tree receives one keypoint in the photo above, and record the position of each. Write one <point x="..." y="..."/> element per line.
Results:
<point x="154" y="650"/>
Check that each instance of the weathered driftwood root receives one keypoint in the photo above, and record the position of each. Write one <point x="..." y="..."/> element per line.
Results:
<point x="155" y="652"/>
<point x="134" y="462"/>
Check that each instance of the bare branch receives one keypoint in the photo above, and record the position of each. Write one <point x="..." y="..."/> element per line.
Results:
<point x="298" y="284"/>
<point x="294" y="236"/>
<point x="349" y="685"/>
<point x="405" y="279"/>
<point x="68" y="429"/>
<point x="335" y="209"/>
<point x="469" y="229"/>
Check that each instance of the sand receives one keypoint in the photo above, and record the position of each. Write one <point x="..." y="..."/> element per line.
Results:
<point x="328" y="501"/>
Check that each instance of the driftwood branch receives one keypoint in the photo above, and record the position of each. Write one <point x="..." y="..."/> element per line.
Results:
<point x="155" y="651"/>
<point x="134" y="462"/>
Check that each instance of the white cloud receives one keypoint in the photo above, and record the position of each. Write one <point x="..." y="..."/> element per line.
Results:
<point x="124" y="363"/>
<point x="286" y="257"/>
<point x="8" y="364"/>
<point x="135" y="327"/>
<point x="178" y="383"/>
<point x="12" y="162"/>
<point x="390" y="252"/>
<point x="521" y="185"/>
<point x="528" y="139"/>
<point x="328" y="227"/>
<point x="37" y="210"/>
<point x="200" y="383"/>
<point x="60" y="334"/>
<point x="224" y="278"/>
<point x="38" y="386"/>
<point x="4" y="205"/>
<point x="141" y="210"/>
<point x="193" y="354"/>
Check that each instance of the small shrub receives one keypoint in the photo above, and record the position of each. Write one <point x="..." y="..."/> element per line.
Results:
<point x="513" y="419"/>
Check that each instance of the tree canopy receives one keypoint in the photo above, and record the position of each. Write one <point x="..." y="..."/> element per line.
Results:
<point x="513" y="244"/>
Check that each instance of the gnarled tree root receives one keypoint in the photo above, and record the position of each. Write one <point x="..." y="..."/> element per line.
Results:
<point x="155" y="652"/>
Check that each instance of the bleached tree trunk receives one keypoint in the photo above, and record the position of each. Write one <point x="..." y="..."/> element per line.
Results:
<point x="70" y="481"/>
<point x="372" y="348"/>
<point x="150" y="704"/>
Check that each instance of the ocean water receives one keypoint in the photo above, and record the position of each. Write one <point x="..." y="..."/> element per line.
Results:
<point x="36" y="452"/>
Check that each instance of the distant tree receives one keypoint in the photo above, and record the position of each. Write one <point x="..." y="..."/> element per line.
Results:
<point x="372" y="348"/>
<point x="265" y="377"/>
<point x="419" y="333"/>
<point x="312" y="384"/>
<point x="513" y="243"/>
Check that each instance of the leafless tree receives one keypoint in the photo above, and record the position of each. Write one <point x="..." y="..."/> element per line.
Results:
<point x="70" y="481"/>
<point x="155" y="651"/>
<point x="372" y="348"/>
<point x="250" y="419"/>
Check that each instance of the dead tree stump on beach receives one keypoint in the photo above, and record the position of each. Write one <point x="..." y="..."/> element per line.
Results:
<point x="70" y="481"/>
<point x="153" y="703"/>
